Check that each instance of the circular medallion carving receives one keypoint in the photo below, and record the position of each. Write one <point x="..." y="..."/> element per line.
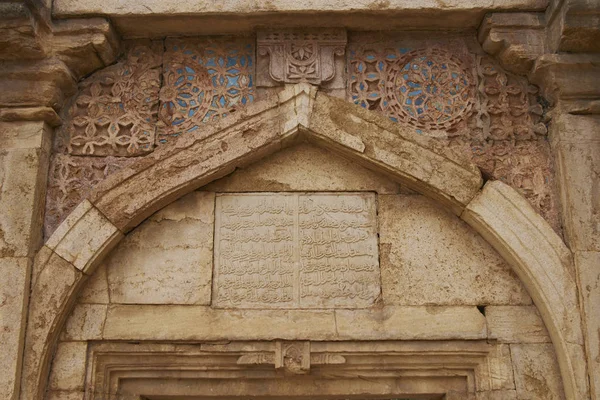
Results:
<point x="430" y="89"/>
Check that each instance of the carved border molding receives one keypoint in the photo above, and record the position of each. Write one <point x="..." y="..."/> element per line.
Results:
<point x="121" y="370"/>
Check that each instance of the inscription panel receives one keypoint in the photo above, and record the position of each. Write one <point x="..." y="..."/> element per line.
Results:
<point x="296" y="250"/>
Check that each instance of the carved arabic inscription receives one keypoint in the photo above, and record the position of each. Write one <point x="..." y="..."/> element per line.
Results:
<point x="296" y="250"/>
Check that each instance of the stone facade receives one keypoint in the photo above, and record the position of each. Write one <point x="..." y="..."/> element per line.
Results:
<point x="275" y="199"/>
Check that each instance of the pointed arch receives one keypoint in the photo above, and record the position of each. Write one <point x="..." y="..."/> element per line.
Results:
<point x="299" y="112"/>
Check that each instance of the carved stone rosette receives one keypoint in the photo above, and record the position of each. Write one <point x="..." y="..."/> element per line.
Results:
<point x="297" y="56"/>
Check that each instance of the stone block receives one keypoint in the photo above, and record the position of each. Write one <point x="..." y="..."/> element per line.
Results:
<point x="411" y="323"/>
<point x="500" y="368"/>
<point x="417" y="161"/>
<point x="429" y="256"/>
<point x="296" y="250"/>
<point x="588" y="268"/>
<point x="85" y="322"/>
<point x="168" y="258"/>
<point x="23" y="174"/>
<point x="304" y="167"/>
<point x="95" y="290"/>
<point x="536" y="372"/>
<point x="536" y="253"/>
<point x="68" y="368"/>
<point x="178" y="322"/>
<point x="577" y="153"/>
<point x="24" y="135"/>
<point x="516" y="324"/>
<point x="54" y="284"/>
<point x="160" y="322"/>
<point x="65" y="395"/>
<point x="84" y="237"/>
<point x="14" y="296"/>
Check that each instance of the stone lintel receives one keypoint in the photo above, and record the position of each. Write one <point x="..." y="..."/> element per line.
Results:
<point x="155" y="18"/>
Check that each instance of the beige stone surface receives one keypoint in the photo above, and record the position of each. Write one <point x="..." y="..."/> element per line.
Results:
<point x="154" y="322"/>
<point x="577" y="152"/>
<point x="429" y="256"/>
<point x="193" y="18"/>
<point x="85" y="322"/>
<point x="14" y="296"/>
<point x="52" y="291"/>
<point x="536" y="372"/>
<point x="84" y="237"/>
<point x="510" y="324"/>
<point x="65" y="395"/>
<point x="296" y="250"/>
<point x="23" y="170"/>
<point x="304" y="167"/>
<point x="500" y="368"/>
<point x="410" y="323"/>
<point x="168" y="258"/>
<point x="23" y="135"/>
<point x="130" y="196"/>
<point x="544" y="265"/>
<point x="68" y="368"/>
<point x="498" y="395"/>
<point x="95" y="290"/>
<point x="417" y="161"/>
<point x="588" y="267"/>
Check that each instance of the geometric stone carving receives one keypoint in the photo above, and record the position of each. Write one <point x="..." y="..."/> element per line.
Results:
<point x="508" y="109"/>
<point x="114" y="113"/>
<point x="291" y="250"/>
<point x="429" y="89"/>
<point x="203" y="80"/>
<point x="71" y="179"/>
<point x="302" y="56"/>
<point x="467" y="101"/>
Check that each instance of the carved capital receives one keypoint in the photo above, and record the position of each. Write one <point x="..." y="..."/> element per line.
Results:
<point x="41" y="60"/>
<point x="515" y="39"/>
<point x="301" y="56"/>
<point x="568" y="77"/>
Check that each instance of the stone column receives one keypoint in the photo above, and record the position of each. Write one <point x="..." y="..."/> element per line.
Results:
<point x="575" y="140"/>
<point x="24" y="157"/>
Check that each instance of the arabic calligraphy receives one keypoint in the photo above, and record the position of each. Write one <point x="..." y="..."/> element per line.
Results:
<point x="289" y="250"/>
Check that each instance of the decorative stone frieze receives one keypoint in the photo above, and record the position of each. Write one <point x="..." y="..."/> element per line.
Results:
<point x="203" y="80"/>
<point x="114" y="113"/>
<point x="467" y="101"/>
<point x="300" y="55"/>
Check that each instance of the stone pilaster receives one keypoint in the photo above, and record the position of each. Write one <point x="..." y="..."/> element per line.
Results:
<point x="559" y="50"/>
<point x="40" y="63"/>
<point x="24" y="155"/>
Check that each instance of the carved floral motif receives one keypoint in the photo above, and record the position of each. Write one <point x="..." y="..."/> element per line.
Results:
<point x="428" y="89"/>
<point x="302" y="56"/>
<point x="478" y="108"/>
<point x="203" y="80"/>
<point x="508" y="108"/>
<point x="116" y="114"/>
<point x="115" y="111"/>
<point x="71" y="179"/>
<point x="466" y="100"/>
